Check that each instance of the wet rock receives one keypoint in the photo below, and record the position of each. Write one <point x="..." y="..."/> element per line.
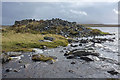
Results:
<point x="70" y="57"/>
<point x="71" y="71"/>
<point x="74" y="45"/>
<point x="41" y="40"/>
<point x="70" y="40"/>
<point x="86" y="58"/>
<point x="4" y="58"/>
<point x="80" y="44"/>
<point x="26" y="65"/>
<point x="40" y="57"/>
<point x="14" y="54"/>
<point x="20" y="61"/>
<point x="113" y="72"/>
<point x="8" y="70"/>
<point x="73" y="62"/>
<point x="84" y="53"/>
<point x="15" y="70"/>
<point x="84" y="41"/>
<point x="44" y="47"/>
<point x="49" y="38"/>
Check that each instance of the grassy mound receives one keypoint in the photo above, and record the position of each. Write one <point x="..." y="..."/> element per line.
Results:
<point x="12" y="41"/>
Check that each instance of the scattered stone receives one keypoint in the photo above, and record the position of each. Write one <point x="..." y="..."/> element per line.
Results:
<point x="49" y="38"/>
<point x="113" y="72"/>
<point x="70" y="40"/>
<point x="73" y="62"/>
<point x="70" y="57"/>
<point x="73" y="45"/>
<point x="86" y="58"/>
<point x="15" y="70"/>
<point x="8" y="70"/>
<point x="44" y="47"/>
<point x="80" y="44"/>
<point x="26" y="65"/>
<point x="14" y="54"/>
<point x="20" y="61"/>
<point x="71" y="71"/>
<point x="4" y="58"/>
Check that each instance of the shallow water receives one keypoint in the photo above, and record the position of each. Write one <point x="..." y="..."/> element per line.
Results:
<point x="109" y="49"/>
<point x="63" y="68"/>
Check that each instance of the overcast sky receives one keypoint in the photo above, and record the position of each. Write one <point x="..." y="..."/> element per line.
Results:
<point x="81" y="12"/>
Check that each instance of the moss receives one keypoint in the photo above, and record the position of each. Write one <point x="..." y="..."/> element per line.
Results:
<point x="40" y="57"/>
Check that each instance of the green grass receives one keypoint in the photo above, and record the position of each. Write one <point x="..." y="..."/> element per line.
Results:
<point x="12" y="41"/>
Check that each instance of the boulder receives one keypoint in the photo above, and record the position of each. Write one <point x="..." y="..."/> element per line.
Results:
<point x="5" y="58"/>
<point x="49" y="38"/>
<point x="41" y="57"/>
<point x="86" y="58"/>
<point x="74" y="45"/>
<point x="113" y="72"/>
<point x="8" y="70"/>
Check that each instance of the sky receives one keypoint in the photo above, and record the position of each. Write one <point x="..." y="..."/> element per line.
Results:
<point x="80" y="12"/>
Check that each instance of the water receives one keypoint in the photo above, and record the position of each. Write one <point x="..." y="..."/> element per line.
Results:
<point x="109" y="49"/>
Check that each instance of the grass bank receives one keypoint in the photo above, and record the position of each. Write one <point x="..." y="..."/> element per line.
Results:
<point x="12" y="41"/>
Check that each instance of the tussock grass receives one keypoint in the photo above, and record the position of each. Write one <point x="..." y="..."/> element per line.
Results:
<point x="12" y="41"/>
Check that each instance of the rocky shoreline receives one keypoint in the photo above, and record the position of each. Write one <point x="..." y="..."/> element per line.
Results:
<point x="80" y="59"/>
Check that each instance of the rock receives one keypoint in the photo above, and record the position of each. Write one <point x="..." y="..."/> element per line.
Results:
<point x="49" y="38"/>
<point x="84" y="53"/>
<point x="8" y="70"/>
<point x="20" y="61"/>
<point x="70" y="40"/>
<point x="73" y="62"/>
<point x="70" y="57"/>
<point x="15" y="70"/>
<point x="41" y="40"/>
<point x="113" y="72"/>
<point x="41" y="57"/>
<point x="26" y="65"/>
<point x="84" y="41"/>
<point x="14" y="54"/>
<point x="5" y="58"/>
<point x="44" y="47"/>
<point x="86" y="58"/>
<point x="74" y="45"/>
<point x="71" y="71"/>
<point x="80" y="44"/>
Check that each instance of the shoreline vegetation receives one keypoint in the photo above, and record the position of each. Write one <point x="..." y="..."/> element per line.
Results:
<point x="27" y="34"/>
